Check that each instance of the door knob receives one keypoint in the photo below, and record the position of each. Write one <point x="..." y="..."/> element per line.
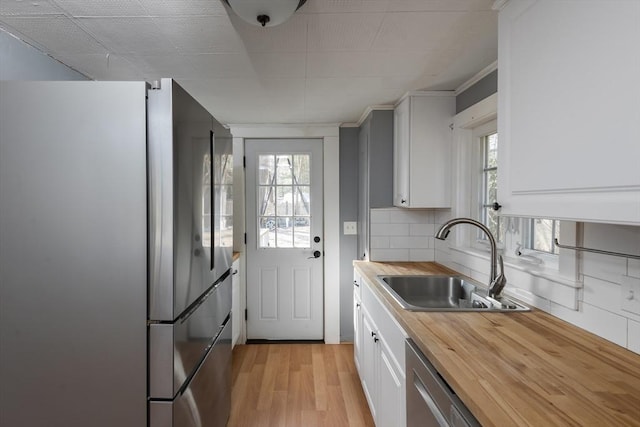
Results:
<point x="316" y="254"/>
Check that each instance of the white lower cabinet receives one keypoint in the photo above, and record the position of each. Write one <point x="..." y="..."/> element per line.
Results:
<point x="379" y="354"/>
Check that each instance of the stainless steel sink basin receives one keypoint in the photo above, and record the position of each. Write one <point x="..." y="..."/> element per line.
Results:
<point x="444" y="293"/>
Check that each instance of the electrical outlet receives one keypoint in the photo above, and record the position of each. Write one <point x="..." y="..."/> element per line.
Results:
<point x="630" y="294"/>
<point x="351" y="228"/>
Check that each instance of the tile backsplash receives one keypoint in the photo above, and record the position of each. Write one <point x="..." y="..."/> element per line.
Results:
<point x="398" y="234"/>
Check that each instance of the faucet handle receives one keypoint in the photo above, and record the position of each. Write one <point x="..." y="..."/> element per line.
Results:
<point x="498" y="284"/>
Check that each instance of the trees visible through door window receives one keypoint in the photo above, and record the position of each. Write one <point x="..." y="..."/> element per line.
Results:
<point x="284" y="186"/>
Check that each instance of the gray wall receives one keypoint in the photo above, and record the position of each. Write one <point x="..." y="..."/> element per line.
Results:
<point x="20" y="61"/>
<point x="348" y="212"/>
<point x="486" y="86"/>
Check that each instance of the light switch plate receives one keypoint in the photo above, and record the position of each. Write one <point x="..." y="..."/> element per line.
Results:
<point x="630" y="294"/>
<point x="350" y="228"/>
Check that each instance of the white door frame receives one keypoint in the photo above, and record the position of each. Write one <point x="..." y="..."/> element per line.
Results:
<point x="331" y="189"/>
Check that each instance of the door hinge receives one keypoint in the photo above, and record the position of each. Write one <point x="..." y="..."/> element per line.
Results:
<point x="244" y="162"/>
<point x="245" y="314"/>
<point x="245" y="238"/>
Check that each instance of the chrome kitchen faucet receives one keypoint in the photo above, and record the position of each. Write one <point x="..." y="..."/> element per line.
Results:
<point x="497" y="282"/>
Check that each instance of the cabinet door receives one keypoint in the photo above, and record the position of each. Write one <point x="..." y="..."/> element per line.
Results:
<point x="391" y="411"/>
<point x="422" y="150"/>
<point x="401" y="153"/>
<point x="569" y="110"/>
<point x="369" y="373"/>
<point x="430" y="151"/>
<point x="357" y="332"/>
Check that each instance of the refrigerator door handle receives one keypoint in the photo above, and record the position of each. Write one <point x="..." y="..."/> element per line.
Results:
<point x="194" y="306"/>
<point x="191" y="309"/>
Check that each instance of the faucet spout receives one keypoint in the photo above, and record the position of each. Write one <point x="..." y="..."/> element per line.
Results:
<point x="497" y="282"/>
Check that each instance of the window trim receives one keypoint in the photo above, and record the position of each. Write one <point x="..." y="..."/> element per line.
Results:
<point x="476" y="237"/>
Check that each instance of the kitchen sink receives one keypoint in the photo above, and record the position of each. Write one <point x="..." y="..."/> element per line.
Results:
<point x="444" y="293"/>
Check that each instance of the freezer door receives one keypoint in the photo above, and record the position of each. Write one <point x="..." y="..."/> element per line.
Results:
<point x="176" y="349"/>
<point x="206" y="399"/>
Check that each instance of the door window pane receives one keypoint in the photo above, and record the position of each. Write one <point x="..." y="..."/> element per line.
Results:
<point x="284" y="170"/>
<point x="301" y="198"/>
<point x="266" y="169"/>
<point x="266" y="200"/>
<point x="301" y="168"/>
<point x="284" y="202"/>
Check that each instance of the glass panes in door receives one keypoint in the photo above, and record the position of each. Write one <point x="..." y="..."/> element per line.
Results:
<point x="284" y="201"/>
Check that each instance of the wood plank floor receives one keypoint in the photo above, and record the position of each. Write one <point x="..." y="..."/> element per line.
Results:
<point x="296" y="385"/>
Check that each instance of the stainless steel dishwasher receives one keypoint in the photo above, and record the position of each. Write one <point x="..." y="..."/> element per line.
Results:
<point x="430" y="400"/>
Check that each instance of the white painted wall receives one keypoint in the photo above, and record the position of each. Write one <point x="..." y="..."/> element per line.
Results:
<point x="20" y="61"/>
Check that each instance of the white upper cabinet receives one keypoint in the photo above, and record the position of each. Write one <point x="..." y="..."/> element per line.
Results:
<point x="569" y="110"/>
<point x="422" y="150"/>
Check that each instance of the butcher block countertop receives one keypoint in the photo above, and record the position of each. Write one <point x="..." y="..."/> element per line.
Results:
<point x="520" y="369"/>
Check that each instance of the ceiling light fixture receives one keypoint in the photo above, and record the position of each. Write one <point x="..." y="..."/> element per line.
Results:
<point x="267" y="13"/>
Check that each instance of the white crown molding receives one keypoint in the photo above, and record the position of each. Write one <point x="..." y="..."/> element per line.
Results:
<point x="425" y="93"/>
<point x="363" y="117"/>
<point x="475" y="79"/>
<point x="284" y="130"/>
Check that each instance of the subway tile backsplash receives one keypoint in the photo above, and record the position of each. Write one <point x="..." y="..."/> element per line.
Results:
<point x="402" y="235"/>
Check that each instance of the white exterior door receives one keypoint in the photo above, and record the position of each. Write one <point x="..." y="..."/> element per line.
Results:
<point x="284" y="239"/>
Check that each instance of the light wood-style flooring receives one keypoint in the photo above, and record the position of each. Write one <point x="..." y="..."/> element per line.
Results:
<point x="296" y="385"/>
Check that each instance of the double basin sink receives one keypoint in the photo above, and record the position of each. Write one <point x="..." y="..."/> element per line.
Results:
<point x="444" y="293"/>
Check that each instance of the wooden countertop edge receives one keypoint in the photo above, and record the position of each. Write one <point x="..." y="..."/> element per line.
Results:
<point x="526" y="368"/>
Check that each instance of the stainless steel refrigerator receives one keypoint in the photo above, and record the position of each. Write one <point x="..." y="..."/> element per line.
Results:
<point x="115" y="249"/>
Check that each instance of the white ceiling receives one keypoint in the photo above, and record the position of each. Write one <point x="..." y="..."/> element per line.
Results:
<point x="329" y="62"/>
